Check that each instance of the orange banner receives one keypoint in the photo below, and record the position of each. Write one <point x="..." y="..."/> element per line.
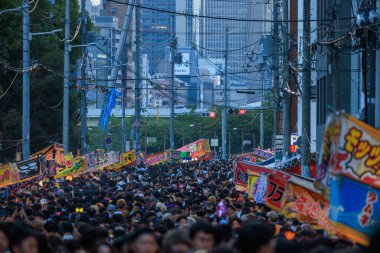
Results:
<point x="306" y="206"/>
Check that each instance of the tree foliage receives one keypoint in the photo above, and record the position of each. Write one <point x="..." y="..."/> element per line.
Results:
<point x="46" y="87"/>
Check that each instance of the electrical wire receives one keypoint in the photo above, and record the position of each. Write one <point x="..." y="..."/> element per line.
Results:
<point x="13" y="80"/>
<point x="220" y="18"/>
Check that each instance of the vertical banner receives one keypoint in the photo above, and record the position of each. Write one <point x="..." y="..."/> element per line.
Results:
<point x="69" y="161"/>
<point x="351" y="148"/>
<point x="355" y="209"/>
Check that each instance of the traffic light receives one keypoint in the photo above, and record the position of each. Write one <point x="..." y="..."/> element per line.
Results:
<point x="208" y="114"/>
<point x="237" y="111"/>
<point x="242" y="111"/>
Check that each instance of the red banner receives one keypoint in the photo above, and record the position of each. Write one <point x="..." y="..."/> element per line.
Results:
<point x="277" y="181"/>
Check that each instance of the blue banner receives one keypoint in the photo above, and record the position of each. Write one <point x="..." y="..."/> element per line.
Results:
<point x="354" y="208"/>
<point x="107" y="108"/>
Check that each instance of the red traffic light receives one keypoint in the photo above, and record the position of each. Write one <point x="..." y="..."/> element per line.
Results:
<point x="212" y="115"/>
<point x="242" y="111"/>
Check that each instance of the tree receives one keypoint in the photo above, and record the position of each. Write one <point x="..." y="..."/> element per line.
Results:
<point x="46" y="81"/>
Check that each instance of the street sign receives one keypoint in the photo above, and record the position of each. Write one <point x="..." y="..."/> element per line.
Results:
<point x="214" y="142"/>
<point x="247" y="142"/>
<point x="108" y="140"/>
<point x="151" y="140"/>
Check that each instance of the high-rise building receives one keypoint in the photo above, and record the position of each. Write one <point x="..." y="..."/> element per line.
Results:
<point x="156" y="30"/>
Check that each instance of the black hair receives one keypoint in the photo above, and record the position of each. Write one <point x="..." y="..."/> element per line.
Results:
<point x="19" y="233"/>
<point x="252" y="237"/>
<point x="201" y="227"/>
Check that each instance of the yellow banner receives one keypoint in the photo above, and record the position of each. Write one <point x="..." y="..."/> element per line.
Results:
<point x="126" y="159"/>
<point x="69" y="161"/>
<point x="8" y="174"/>
<point x="251" y="185"/>
<point x="79" y="166"/>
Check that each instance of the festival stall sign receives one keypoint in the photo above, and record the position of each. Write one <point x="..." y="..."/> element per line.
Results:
<point x="52" y="153"/>
<point x="354" y="208"/>
<point x="266" y="185"/>
<point x="126" y="159"/>
<point x="102" y="160"/>
<point x="175" y="155"/>
<point x="302" y="202"/>
<point x="197" y="149"/>
<point x="350" y="148"/>
<point x="157" y="158"/>
<point x="77" y="166"/>
<point x="184" y="155"/>
<point x="30" y="168"/>
<point x="263" y="154"/>
<point x="8" y="174"/>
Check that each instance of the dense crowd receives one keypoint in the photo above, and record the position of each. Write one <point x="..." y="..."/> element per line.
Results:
<point x="183" y="208"/>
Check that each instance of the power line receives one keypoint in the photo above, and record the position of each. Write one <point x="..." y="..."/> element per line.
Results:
<point x="220" y="18"/>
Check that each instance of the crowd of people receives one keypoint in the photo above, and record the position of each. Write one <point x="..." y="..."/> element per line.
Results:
<point x="179" y="208"/>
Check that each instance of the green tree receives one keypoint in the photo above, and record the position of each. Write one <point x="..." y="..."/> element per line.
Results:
<point x="46" y="81"/>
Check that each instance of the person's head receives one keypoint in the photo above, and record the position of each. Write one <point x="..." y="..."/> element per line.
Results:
<point x="4" y="236"/>
<point x="181" y="222"/>
<point x="177" y="241"/>
<point x="23" y="239"/>
<point x="202" y="236"/>
<point x="374" y="245"/>
<point x="121" y="203"/>
<point x="255" y="238"/>
<point x="143" y="241"/>
<point x="236" y="223"/>
<point x="102" y="247"/>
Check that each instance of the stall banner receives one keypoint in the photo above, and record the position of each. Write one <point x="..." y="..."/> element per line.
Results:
<point x="197" y="148"/>
<point x="69" y="161"/>
<point x="351" y="148"/>
<point x="306" y="205"/>
<point x="53" y="153"/>
<point x="8" y="174"/>
<point x="90" y="161"/>
<point x="126" y="159"/>
<point x="274" y="184"/>
<point x="257" y="187"/>
<point x="22" y="184"/>
<point x="185" y="155"/>
<point x="79" y="165"/>
<point x="30" y="168"/>
<point x="157" y="158"/>
<point x="175" y="155"/>
<point x="355" y="208"/>
<point x="102" y="160"/>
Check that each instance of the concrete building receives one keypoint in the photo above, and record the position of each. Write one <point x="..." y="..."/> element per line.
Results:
<point x="156" y="30"/>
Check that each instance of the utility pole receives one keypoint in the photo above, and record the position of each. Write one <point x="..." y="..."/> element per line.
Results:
<point x="242" y="140"/>
<point x="335" y="58"/>
<point x="225" y="97"/>
<point x="306" y="76"/>
<point x="138" y="76"/>
<point x="173" y="46"/>
<point x="25" y="83"/>
<point x="124" y="95"/>
<point x="66" y="84"/>
<point x="83" y="82"/>
<point x="285" y="69"/>
<point x="262" y="112"/>
<point x="276" y="94"/>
